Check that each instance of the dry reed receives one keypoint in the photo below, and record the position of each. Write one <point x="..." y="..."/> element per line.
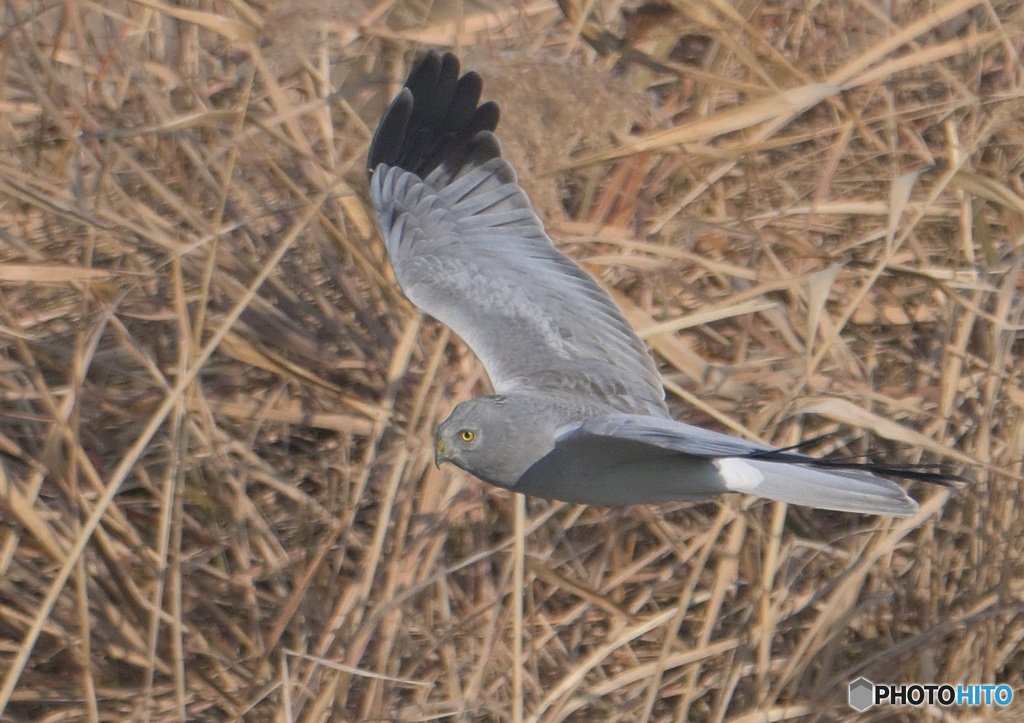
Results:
<point x="216" y="490"/>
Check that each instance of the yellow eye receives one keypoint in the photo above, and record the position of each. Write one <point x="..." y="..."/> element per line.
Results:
<point x="467" y="435"/>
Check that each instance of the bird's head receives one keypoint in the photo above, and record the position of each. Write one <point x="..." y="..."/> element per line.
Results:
<point x="493" y="438"/>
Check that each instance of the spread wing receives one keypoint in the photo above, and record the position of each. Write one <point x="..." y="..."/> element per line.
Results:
<point x="468" y="249"/>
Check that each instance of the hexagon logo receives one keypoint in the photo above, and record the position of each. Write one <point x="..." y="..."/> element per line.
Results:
<point x="862" y="694"/>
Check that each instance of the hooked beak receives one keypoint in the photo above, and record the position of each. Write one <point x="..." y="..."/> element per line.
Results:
<point x="439" y="453"/>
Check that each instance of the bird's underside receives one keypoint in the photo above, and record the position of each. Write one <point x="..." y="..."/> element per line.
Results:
<point x="579" y="412"/>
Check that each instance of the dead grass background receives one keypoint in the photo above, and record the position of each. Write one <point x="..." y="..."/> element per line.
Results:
<point x="218" y="501"/>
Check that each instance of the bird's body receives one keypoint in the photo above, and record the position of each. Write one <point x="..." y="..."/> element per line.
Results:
<point x="579" y="412"/>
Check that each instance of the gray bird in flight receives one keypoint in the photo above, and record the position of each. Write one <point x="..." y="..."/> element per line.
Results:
<point x="578" y="412"/>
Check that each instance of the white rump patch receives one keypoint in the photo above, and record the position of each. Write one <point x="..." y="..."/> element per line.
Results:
<point x="739" y="475"/>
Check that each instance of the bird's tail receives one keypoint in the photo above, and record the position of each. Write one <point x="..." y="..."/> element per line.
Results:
<point x="831" y="489"/>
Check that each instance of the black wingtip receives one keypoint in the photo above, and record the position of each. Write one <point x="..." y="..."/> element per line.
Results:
<point x="936" y="474"/>
<point x="436" y="119"/>
<point x="386" y="144"/>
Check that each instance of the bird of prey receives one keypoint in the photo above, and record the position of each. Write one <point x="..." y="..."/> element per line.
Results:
<point x="578" y="412"/>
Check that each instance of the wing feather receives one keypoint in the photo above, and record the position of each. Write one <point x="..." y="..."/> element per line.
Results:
<point x="468" y="249"/>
